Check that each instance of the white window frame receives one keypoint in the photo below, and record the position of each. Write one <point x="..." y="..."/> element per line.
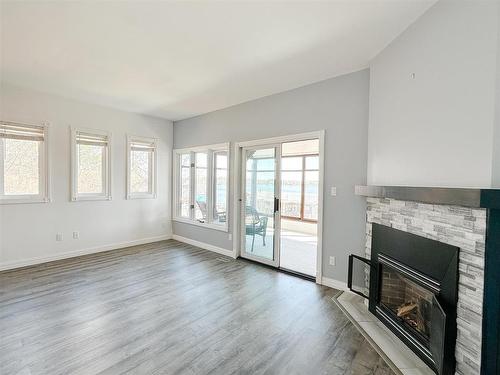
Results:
<point x="44" y="194"/>
<point x="131" y="139"/>
<point x="209" y="149"/>
<point x="107" y="172"/>
<point x="177" y="181"/>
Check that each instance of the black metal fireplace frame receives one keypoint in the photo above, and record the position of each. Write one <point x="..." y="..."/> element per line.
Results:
<point x="431" y="285"/>
<point x="434" y="266"/>
<point x="439" y="263"/>
<point x="431" y="351"/>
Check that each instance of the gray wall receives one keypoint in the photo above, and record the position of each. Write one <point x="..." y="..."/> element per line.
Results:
<point x="436" y="129"/>
<point x="495" y="180"/>
<point x="338" y="105"/>
<point x="101" y="224"/>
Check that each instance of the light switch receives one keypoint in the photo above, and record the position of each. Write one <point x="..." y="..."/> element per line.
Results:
<point x="333" y="191"/>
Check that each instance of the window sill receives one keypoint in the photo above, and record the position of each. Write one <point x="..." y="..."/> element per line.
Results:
<point x="141" y="196"/>
<point x="90" y="198"/>
<point x="221" y="228"/>
<point x="5" y="201"/>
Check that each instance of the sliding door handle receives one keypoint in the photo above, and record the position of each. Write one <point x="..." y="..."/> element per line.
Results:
<point x="276" y="204"/>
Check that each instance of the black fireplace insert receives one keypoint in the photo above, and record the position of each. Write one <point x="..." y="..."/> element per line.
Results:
<point x="411" y="283"/>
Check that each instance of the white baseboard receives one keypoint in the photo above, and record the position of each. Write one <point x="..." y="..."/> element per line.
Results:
<point x="335" y="284"/>
<point x="71" y="254"/>
<point x="206" y="246"/>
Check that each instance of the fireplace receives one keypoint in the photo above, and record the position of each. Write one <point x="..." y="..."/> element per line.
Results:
<point x="405" y="301"/>
<point x="412" y="285"/>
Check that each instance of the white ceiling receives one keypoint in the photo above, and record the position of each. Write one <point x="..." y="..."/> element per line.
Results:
<point x="180" y="59"/>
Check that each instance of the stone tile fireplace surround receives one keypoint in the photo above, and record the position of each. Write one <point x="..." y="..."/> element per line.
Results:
<point x="464" y="223"/>
<point x="457" y="226"/>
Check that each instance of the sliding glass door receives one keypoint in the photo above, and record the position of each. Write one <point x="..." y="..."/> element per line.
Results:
<point x="260" y="208"/>
<point x="280" y="204"/>
<point x="299" y="206"/>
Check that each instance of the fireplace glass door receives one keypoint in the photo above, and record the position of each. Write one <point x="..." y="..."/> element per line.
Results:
<point x="358" y="275"/>
<point x="408" y="302"/>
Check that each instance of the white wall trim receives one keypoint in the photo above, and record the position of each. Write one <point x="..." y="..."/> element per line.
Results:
<point x="221" y="228"/>
<point x="215" y="147"/>
<point x="336" y="284"/>
<point x="282" y="139"/>
<point x="71" y="254"/>
<point x="206" y="246"/>
<point x="236" y="228"/>
<point x="319" y="245"/>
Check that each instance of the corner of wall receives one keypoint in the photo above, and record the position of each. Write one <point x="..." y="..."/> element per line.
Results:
<point x="495" y="172"/>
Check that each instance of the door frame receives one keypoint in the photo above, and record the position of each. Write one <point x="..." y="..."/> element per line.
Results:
<point x="275" y="262"/>
<point x="237" y="181"/>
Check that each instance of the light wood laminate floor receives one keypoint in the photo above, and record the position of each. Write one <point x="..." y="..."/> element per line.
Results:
<point x="171" y="308"/>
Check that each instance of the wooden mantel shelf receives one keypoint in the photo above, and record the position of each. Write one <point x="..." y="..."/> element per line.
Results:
<point x="466" y="197"/>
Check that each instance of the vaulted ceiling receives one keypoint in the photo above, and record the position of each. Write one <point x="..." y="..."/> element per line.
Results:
<point x="180" y="59"/>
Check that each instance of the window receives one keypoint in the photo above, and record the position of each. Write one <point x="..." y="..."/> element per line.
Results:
<point x="300" y="180"/>
<point x="91" y="165"/>
<point x="184" y="196"/>
<point x="23" y="163"/>
<point x="311" y="188"/>
<point x="220" y="184"/>
<point x="141" y="172"/>
<point x="201" y="185"/>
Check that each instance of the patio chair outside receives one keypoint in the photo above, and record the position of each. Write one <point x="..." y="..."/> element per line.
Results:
<point x="255" y="225"/>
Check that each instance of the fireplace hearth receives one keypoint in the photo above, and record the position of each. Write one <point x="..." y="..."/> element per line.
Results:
<point x="413" y="290"/>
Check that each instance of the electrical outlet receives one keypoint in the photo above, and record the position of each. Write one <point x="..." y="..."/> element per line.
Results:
<point x="333" y="191"/>
<point x="76" y="235"/>
<point x="59" y="237"/>
<point x="332" y="261"/>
